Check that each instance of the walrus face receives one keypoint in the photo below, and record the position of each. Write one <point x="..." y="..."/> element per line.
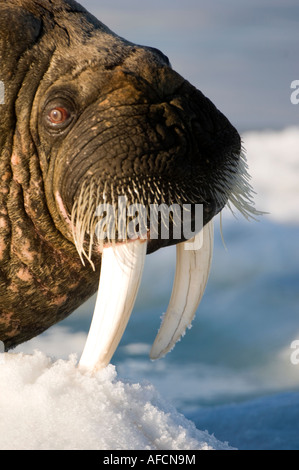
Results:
<point x="134" y="130"/>
<point x="113" y="127"/>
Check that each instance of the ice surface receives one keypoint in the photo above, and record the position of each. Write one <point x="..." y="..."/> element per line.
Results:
<point x="52" y="405"/>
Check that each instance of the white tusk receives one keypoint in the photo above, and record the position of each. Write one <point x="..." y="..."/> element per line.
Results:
<point x="121" y="272"/>
<point x="192" y="272"/>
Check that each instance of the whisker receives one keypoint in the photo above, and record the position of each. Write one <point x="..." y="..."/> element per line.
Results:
<point x="115" y="196"/>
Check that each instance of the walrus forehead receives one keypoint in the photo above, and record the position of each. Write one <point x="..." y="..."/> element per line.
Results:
<point x="107" y="65"/>
<point x="80" y="42"/>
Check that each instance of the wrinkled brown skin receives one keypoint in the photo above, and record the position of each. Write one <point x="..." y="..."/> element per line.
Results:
<point x="133" y="115"/>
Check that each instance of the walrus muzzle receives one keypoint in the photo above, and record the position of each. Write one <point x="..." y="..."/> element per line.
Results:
<point x="91" y="127"/>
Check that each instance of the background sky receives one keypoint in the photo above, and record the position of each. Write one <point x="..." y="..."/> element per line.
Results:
<point x="242" y="55"/>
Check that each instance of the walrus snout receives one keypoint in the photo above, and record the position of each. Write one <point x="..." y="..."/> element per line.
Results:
<point x="149" y="136"/>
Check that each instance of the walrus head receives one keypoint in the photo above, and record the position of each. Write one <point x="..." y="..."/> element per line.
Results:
<point x="93" y="121"/>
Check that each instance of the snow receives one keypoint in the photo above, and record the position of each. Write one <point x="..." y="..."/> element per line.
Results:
<point x="52" y="405"/>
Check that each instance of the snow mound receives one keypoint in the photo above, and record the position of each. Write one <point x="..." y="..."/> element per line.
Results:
<point x="52" y="405"/>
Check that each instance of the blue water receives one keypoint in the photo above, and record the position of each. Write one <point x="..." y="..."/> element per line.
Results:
<point x="267" y="423"/>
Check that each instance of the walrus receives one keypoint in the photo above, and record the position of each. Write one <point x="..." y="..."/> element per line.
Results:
<point x="88" y="117"/>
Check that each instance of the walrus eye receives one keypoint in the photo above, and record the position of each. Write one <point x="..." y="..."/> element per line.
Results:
<point x="58" y="115"/>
